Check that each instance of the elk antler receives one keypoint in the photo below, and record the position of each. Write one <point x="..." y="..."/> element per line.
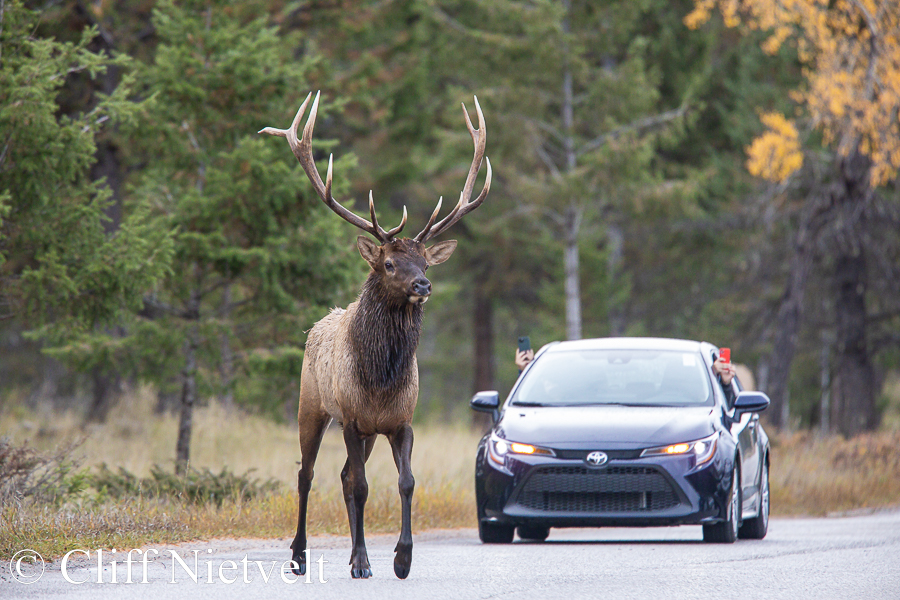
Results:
<point x="302" y="149"/>
<point x="464" y="206"/>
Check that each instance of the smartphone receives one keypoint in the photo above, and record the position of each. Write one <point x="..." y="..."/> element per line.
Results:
<point x="524" y="343"/>
<point x="725" y="354"/>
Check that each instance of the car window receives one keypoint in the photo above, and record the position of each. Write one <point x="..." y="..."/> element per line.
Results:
<point x="633" y="377"/>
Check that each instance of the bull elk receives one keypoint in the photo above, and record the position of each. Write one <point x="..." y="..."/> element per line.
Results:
<point x="360" y="363"/>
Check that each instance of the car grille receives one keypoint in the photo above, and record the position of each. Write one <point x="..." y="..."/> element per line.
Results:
<point x="583" y="490"/>
<point x="612" y="454"/>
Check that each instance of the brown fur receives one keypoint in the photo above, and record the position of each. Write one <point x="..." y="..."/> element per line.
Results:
<point x="377" y="383"/>
<point x="360" y="364"/>
<point x="360" y="368"/>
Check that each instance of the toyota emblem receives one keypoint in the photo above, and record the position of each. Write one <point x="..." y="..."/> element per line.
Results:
<point x="597" y="458"/>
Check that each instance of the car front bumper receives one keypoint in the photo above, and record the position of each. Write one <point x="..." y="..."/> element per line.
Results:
<point x="558" y="492"/>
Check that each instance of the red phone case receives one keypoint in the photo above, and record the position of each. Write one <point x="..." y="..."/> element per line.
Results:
<point x="725" y="354"/>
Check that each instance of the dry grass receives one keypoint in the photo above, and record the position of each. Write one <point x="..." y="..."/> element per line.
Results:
<point x="135" y="438"/>
<point x="819" y="475"/>
<point x="810" y="475"/>
<point x="130" y="524"/>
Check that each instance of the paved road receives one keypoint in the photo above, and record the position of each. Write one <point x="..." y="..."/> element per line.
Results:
<point x="822" y="559"/>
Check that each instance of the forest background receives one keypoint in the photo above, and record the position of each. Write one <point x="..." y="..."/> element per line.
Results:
<point x="665" y="168"/>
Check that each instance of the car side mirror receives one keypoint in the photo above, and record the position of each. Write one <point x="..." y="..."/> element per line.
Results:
<point x="750" y="402"/>
<point x="488" y="402"/>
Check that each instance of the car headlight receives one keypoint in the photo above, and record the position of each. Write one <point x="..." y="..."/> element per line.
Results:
<point x="500" y="448"/>
<point x="703" y="449"/>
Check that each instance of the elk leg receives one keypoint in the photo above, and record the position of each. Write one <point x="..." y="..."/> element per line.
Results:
<point x="401" y="445"/>
<point x="356" y="491"/>
<point x="348" y="494"/>
<point x="312" y="429"/>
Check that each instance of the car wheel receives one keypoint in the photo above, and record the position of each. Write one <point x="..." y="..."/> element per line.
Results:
<point x="533" y="533"/>
<point x="756" y="528"/>
<point x="495" y="533"/>
<point x="726" y="532"/>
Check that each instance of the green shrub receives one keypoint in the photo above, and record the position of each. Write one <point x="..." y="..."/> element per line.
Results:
<point x="195" y="485"/>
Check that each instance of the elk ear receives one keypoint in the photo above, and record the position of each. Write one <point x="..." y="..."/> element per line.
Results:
<point x="439" y="252"/>
<point x="369" y="250"/>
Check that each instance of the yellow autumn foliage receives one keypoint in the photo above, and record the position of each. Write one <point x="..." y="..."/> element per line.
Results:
<point x="776" y="154"/>
<point x="851" y="49"/>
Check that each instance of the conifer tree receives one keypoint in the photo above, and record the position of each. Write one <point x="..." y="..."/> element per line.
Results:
<point x="61" y="272"/>
<point x="257" y="257"/>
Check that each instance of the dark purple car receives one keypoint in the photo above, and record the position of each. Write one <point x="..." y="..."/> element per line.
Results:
<point x="623" y="432"/>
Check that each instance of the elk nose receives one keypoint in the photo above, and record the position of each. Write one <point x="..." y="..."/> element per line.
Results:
<point x="421" y="287"/>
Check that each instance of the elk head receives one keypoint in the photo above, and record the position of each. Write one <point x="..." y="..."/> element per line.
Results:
<point x="400" y="264"/>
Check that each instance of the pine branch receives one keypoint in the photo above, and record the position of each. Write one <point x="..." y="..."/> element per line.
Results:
<point x="548" y="161"/>
<point x="639" y="125"/>
<point x="496" y="38"/>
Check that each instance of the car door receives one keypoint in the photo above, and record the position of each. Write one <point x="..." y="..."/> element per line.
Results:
<point x="747" y="432"/>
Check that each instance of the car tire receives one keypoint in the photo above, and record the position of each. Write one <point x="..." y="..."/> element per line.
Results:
<point x="533" y="533"/>
<point x="726" y="532"/>
<point x="495" y="533"/>
<point x="757" y="527"/>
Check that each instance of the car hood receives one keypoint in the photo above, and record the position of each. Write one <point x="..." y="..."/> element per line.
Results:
<point x="611" y="427"/>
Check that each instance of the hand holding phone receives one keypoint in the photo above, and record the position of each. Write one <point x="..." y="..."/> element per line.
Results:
<point x="524" y="343"/>
<point x="524" y="353"/>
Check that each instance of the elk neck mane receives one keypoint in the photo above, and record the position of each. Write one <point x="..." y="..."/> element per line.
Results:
<point x="384" y="336"/>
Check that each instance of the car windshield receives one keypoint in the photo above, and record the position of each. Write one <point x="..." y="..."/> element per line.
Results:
<point x="630" y="377"/>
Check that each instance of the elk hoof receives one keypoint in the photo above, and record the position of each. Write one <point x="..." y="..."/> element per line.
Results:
<point x="360" y="572"/>
<point x="401" y="571"/>
<point x="301" y="570"/>
<point x="402" y="560"/>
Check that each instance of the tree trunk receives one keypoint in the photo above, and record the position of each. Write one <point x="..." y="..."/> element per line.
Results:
<point x="573" y="215"/>
<point x="106" y="388"/>
<point x="825" y="382"/>
<point x="615" y="239"/>
<point x="108" y="163"/>
<point x="573" y="283"/>
<point x="483" y="326"/>
<point x="853" y="401"/>
<point x="107" y="167"/>
<point x="188" y="397"/>
<point x="226" y="370"/>
<point x="787" y="327"/>
<point x="854" y="391"/>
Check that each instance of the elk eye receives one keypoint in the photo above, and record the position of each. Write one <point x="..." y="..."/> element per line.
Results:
<point x="389" y="266"/>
